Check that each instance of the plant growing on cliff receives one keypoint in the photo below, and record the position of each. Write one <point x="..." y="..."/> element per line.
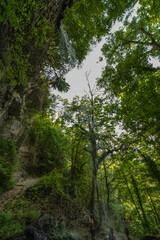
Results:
<point x="13" y="222"/>
<point x="51" y="143"/>
<point x="30" y="36"/>
<point x="8" y="160"/>
<point x="24" y="29"/>
<point x="54" y="180"/>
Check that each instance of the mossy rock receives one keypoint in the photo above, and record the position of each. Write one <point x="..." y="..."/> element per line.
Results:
<point x="46" y="228"/>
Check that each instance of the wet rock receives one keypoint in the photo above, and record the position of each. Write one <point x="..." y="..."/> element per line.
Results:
<point x="47" y="228"/>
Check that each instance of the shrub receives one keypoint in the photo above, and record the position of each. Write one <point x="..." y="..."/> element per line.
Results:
<point x="8" y="160"/>
<point x="52" y="144"/>
<point x="55" y="180"/>
<point x="8" y="225"/>
<point x="12" y="223"/>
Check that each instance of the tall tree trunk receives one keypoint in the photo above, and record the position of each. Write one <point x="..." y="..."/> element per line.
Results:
<point x="92" y="195"/>
<point x="108" y="193"/>
<point x="156" y="215"/>
<point x="94" y="172"/>
<point x="72" y="163"/>
<point x="146" y="224"/>
<point x="152" y="167"/>
<point x="132" y="199"/>
<point x="92" y="204"/>
<point x="99" y="205"/>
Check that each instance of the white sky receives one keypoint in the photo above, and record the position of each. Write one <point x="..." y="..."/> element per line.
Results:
<point x="76" y="77"/>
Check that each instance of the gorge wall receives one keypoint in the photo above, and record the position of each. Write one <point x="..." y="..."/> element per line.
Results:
<point x="19" y="102"/>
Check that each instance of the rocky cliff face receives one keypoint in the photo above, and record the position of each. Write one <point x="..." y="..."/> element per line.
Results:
<point x="18" y="103"/>
<point x="15" y="100"/>
<point x="11" y="108"/>
<point x="15" y="103"/>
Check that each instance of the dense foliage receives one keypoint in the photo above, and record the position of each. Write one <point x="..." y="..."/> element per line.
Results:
<point x="102" y="150"/>
<point x="8" y="160"/>
<point x="12" y="223"/>
<point x="33" y="41"/>
<point x="132" y="77"/>
<point x="51" y="144"/>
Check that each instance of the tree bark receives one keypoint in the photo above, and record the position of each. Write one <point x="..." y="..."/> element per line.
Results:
<point x="132" y="199"/>
<point x="152" y="166"/>
<point x="108" y="193"/>
<point x="156" y="215"/>
<point x="146" y="224"/>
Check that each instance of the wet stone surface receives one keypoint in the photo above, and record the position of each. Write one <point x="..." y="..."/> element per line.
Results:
<point x="47" y="228"/>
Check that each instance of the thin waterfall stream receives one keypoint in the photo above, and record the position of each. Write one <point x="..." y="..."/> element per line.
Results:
<point x="67" y="46"/>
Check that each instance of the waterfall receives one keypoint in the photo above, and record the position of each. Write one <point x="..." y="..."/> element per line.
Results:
<point x="67" y="46"/>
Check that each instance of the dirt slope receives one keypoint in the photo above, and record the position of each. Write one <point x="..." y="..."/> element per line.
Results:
<point x="17" y="191"/>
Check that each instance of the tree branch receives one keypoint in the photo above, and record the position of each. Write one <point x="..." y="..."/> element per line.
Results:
<point x="83" y="129"/>
<point x="153" y="43"/>
<point x="149" y="69"/>
<point x="136" y="42"/>
<point x="103" y="156"/>
<point x="89" y="151"/>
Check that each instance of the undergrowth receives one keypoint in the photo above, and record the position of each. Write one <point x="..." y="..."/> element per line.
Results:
<point x="16" y="218"/>
<point x="8" y="162"/>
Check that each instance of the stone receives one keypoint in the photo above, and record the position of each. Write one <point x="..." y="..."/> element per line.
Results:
<point x="47" y="228"/>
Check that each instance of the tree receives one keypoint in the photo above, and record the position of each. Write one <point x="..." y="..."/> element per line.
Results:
<point x="132" y="79"/>
<point x="51" y="144"/>
<point x="130" y="74"/>
<point x="31" y="38"/>
<point x="90" y="115"/>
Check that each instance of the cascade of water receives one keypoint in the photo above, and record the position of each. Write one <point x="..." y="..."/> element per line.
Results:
<point x="67" y="45"/>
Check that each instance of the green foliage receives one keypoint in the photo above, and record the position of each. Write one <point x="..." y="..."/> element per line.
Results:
<point x="8" y="160"/>
<point x="16" y="217"/>
<point x="30" y="28"/>
<point x="53" y="144"/>
<point x="31" y="41"/>
<point x="130" y="73"/>
<point x="8" y="224"/>
<point x="132" y="87"/>
<point x="54" y="180"/>
<point x="132" y="78"/>
<point x="27" y="29"/>
<point x="54" y="183"/>
<point x="88" y="21"/>
<point x="81" y="188"/>
<point x="12" y="223"/>
<point x="80" y="172"/>
<point x="133" y="193"/>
